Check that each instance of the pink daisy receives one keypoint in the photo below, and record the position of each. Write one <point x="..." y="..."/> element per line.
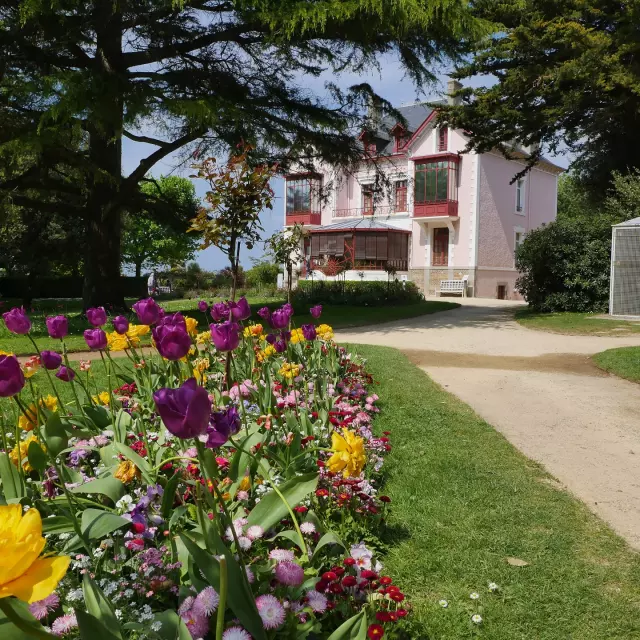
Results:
<point x="280" y="555"/>
<point x="207" y="601"/>
<point x="235" y="633"/>
<point x="271" y="611"/>
<point x="64" y="624"/>
<point x="40" y="609"/>
<point x="289" y="573"/>
<point x="254" y="532"/>
<point x="317" y="601"/>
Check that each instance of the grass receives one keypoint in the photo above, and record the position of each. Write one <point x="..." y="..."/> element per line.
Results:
<point x="464" y="500"/>
<point x="575" y="323"/>
<point x="338" y="316"/>
<point x="623" y="362"/>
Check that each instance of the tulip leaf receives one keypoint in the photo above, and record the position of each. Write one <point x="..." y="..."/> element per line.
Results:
<point x="241" y="459"/>
<point x="328" y="538"/>
<point x="140" y="462"/>
<point x="17" y="623"/>
<point x="12" y="484"/>
<point x="100" y="417"/>
<point x="96" y="524"/>
<point x="289" y="534"/>
<point x="240" y="599"/>
<point x="110" y="487"/>
<point x="91" y="628"/>
<point x="121" y="424"/>
<point x="169" y="495"/>
<point x="355" y="628"/>
<point x="36" y="456"/>
<point x="173" y="626"/>
<point x="271" y="508"/>
<point x="55" y="435"/>
<point x="57" y="524"/>
<point x="99" y="607"/>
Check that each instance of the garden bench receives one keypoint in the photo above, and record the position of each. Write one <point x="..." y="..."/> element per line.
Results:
<point x="454" y="286"/>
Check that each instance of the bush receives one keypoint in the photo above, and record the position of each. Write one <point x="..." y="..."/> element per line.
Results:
<point x="263" y="274"/>
<point x="357" y="293"/>
<point x="565" y="265"/>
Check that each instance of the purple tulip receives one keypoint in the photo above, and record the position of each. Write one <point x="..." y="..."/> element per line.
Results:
<point x="280" y="345"/>
<point x="265" y="314"/>
<point x="50" y="359"/>
<point x="65" y="374"/>
<point x="203" y="305"/>
<point x="121" y="325"/>
<point x="97" y="316"/>
<point x="148" y="311"/>
<point x="96" y="339"/>
<point x="172" y="341"/>
<point x="309" y="331"/>
<point x="316" y="311"/>
<point x="219" y="311"/>
<point x="271" y="338"/>
<point x="11" y="376"/>
<point x="280" y="319"/>
<point x="287" y="308"/>
<point x="222" y="425"/>
<point x="17" y="321"/>
<point x="240" y="310"/>
<point x="173" y="320"/>
<point x="225" y="336"/>
<point x="57" y="326"/>
<point x="185" y="411"/>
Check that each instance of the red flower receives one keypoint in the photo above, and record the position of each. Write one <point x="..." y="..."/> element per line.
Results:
<point x="339" y="571"/>
<point x="383" y="616"/>
<point x="349" y="581"/>
<point x="396" y="596"/>
<point x="385" y="580"/>
<point x="384" y="498"/>
<point x="375" y="631"/>
<point x="301" y="509"/>
<point x="402" y="613"/>
<point x="322" y="493"/>
<point x="329" y="576"/>
<point x="349" y="562"/>
<point x="367" y="574"/>
<point x="321" y="586"/>
<point x="138" y="527"/>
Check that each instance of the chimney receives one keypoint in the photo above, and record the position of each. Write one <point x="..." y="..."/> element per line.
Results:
<point x="452" y="87"/>
<point x="374" y="116"/>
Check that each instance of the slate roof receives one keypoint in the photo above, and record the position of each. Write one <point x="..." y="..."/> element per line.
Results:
<point x="634" y="222"/>
<point x="414" y="114"/>
<point x="361" y="224"/>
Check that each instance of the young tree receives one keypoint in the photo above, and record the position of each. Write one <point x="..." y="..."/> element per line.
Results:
<point x="194" y="76"/>
<point x="567" y="77"/>
<point x="239" y="192"/>
<point x="286" y="247"/>
<point x="150" y="244"/>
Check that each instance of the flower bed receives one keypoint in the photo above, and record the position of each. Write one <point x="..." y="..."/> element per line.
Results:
<point x="227" y="486"/>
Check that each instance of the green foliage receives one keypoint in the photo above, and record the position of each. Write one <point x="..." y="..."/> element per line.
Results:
<point x="263" y="273"/>
<point x="565" y="78"/>
<point x="565" y="265"/>
<point x="150" y="244"/>
<point x="356" y="293"/>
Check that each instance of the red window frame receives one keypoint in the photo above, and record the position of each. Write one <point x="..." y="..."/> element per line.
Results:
<point x="440" y="247"/>
<point x="400" y="201"/>
<point x="431" y="174"/>
<point x="302" y="194"/>
<point x="443" y="137"/>
<point x="367" y="199"/>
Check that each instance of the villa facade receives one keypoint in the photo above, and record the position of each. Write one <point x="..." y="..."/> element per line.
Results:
<point x="437" y="215"/>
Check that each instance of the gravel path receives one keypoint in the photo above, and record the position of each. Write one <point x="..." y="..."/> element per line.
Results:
<point x="541" y="391"/>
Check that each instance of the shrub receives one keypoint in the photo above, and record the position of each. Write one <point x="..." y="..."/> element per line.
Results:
<point x="357" y="293"/>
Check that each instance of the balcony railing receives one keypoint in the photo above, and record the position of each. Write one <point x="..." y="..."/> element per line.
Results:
<point x="431" y="209"/>
<point x="303" y="217"/>
<point x="359" y="212"/>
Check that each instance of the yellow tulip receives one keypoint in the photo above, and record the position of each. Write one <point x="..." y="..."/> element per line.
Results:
<point x="127" y="471"/>
<point x="23" y="573"/>
<point x="349" y="457"/>
<point x="16" y="457"/>
<point x="192" y="325"/>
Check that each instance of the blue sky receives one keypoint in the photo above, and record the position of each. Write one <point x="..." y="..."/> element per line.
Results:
<point x="388" y="81"/>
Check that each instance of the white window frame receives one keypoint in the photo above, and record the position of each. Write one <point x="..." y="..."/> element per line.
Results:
<point x="517" y="230"/>
<point x="521" y="187"/>
<point x="395" y="186"/>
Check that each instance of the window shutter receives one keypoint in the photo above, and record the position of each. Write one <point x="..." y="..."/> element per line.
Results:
<point x="339" y="244"/>
<point x="331" y="243"/>
<point x="360" y="240"/>
<point x="315" y="245"/>
<point x="381" y="246"/>
<point x="371" y="246"/>
<point x="324" y="243"/>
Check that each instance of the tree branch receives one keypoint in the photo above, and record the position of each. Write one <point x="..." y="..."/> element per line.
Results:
<point x="145" y="139"/>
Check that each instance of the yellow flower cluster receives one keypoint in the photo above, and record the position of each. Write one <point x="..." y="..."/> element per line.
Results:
<point x="253" y="331"/>
<point x="16" y="456"/>
<point x="266" y="353"/>
<point x="117" y="342"/>
<point x="102" y="398"/>
<point x="349" y="457"/>
<point x="127" y="471"/>
<point x="24" y="574"/>
<point x="192" y="325"/>
<point x="325" y="332"/>
<point x="29" y="421"/>
<point x="200" y="365"/>
<point x="296" y="336"/>
<point x="6" y="353"/>
<point x="203" y="338"/>
<point x="289" y="370"/>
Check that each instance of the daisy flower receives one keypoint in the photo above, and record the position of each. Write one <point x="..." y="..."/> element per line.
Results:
<point x="476" y="618"/>
<point x="254" y="532"/>
<point x="40" y="609"/>
<point x="308" y="528"/>
<point x="493" y="586"/>
<point x="289" y="573"/>
<point x="474" y="596"/>
<point x="235" y="633"/>
<point x="443" y="603"/>
<point x="280" y="555"/>
<point x="317" y="601"/>
<point x="207" y="601"/>
<point x="244" y="542"/>
<point x="64" y="624"/>
<point x="271" y="611"/>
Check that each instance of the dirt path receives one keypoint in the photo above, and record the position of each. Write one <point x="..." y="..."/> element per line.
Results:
<point x="541" y="391"/>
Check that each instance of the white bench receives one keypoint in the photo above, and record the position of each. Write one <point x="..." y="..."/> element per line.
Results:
<point x="454" y="286"/>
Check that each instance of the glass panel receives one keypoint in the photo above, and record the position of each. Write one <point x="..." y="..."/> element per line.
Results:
<point x="431" y="186"/>
<point x="420" y="186"/>
<point x="441" y="193"/>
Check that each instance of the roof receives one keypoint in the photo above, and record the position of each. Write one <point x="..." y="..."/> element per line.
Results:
<point x="361" y="224"/>
<point x="414" y="114"/>
<point x="634" y="222"/>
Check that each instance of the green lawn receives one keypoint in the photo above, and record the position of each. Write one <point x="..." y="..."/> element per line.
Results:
<point x="575" y="323"/>
<point x="623" y="362"/>
<point x="338" y="316"/>
<point x="464" y="500"/>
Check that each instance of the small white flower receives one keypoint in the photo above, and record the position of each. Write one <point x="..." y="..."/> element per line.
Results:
<point x="474" y="595"/>
<point x="308" y="528"/>
<point x="156" y="626"/>
<point x="493" y="586"/>
<point x="443" y="603"/>
<point x="118" y="613"/>
<point x="476" y="618"/>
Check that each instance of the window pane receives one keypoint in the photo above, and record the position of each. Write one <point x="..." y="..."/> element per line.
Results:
<point x="431" y="186"/>
<point x="420" y="186"/>
<point x="442" y="184"/>
<point x="290" y="197"/>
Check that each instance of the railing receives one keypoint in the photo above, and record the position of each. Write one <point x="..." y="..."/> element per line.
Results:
<point x="359" y="212"/>
<point x="333" y="266"/>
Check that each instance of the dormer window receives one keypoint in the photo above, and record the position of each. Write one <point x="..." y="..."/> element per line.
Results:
<point x="442" y="138"/>
<point x="370" y="148"/>
<point x="400" y="138"/>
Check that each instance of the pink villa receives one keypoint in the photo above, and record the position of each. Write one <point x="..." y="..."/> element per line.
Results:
<point x="442" y="215"/>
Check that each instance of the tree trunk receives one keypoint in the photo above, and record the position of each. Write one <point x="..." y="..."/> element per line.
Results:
<point x="102" y="283"/>
<point x="234" y="256"/>
<point x="138" y="269"/>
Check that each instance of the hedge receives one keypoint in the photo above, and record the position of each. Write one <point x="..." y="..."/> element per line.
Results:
<point x="62" y="287"/>
<point x="358" y="293"/>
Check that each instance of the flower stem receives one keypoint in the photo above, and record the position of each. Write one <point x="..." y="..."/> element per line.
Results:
<point x="223" y="598"/>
